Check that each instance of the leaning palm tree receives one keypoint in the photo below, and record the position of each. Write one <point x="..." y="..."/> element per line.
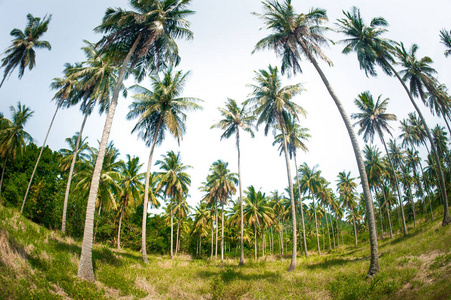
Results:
<point x="159" y="110"/>
<point x="303" y="34"/>
<point x="373" y="119"/>
<point x="13" y="137"/>
<point x="295" y="135"/>
<point x="144" y="38"/>
<point x="173" y="182"/>
<point x="22" y="51"/>
<point x="234" y="118"/>
<point x="131" y="188"/>
<point x="445" y="39"/>
<point x="372" y="49"/>
<point x="273" y="106"/>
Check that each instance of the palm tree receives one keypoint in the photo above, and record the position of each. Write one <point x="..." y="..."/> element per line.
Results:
<point x="141" y="38"/>
<point x="295" y="135"/>
<point x="158" y="111"/>
<point x="22" y="51"/>
<point x="67" y="155"/>
<point x="346" y="188"/>
<point x="372" y="49"/>
<point x="280" y="212"/>
<point x="372" y="119"/>
<point x="445" y="39"/>
<point x="274" y="106"/>
<point x="131" y="188"/>
<point x="235" y="118"/>
<point x="201" y="216"/>
<point x="173" y="182"/>
<point x="303" y="34"/>
<point x="312" y="183"/>
<point x="257" y="212"/>
<point x="13" y="137"/>
<point x="221" y="185"/>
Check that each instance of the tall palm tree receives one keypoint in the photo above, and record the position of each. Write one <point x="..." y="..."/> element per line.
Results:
<point x="234" y="118"/>
<point x="22" y="51"/>
<point x="445" y="39"/>
<point x="144" y="38"/>
<point x="295" y="135"/>
<point x="303" y="34"/>
<point x="173" y="182"/>
<point x="13" y="137"/>
<point x="131" y="188"/>
<point x="257" y="212"/>
<point x="221" y="185"/>
<point x="372" y="49"/>
<point x="372" y="119"/>
<point x="159" y="110"/>
<point x="346" y="188"/>
<point x="273" y="106"/>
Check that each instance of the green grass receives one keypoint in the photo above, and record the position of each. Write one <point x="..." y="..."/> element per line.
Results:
<point x="36" y="263"/>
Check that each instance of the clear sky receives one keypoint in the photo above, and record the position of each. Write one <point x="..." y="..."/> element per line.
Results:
<point x="221" y="65"/>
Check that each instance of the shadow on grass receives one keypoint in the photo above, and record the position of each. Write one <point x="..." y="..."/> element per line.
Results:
<point x="328" y="263"/>
<point x="230" y="274"/>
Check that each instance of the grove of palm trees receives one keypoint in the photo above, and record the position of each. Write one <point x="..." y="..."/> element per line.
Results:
<point x="225" y="150"/>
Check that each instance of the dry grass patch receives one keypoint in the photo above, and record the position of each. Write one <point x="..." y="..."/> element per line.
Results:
<point x="12" y="254"/>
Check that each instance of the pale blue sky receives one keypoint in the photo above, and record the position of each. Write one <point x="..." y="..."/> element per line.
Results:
<point x="221" y="66"/>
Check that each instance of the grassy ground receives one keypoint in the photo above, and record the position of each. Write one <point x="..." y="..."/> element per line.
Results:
<point x="36" y="263"/>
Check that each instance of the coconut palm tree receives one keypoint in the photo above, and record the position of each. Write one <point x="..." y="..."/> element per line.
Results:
<point x="201" y="216"/>
<point x="372" y="119"/>
<point x="221" y="185"/>
<point x="159" y="110"/>
<point x="445" y="39"/>
<point x="295" y="135"/>
<point x="173" y="182"/>
<point x="273" y="106"/>
<point x="257" y="212"/>
<point x="139" y="39"/>
<point x="303" y="34"/>
<point x="67" y="155"/>
<point x="346" y="188"/>
<point x="22" y="53"/>
<point x="234" y="118"/>
<point x="277" y="202"/>
<point x="131" y="188"/>
<point x="372" y="49"/>
<point x="13" y="137"/>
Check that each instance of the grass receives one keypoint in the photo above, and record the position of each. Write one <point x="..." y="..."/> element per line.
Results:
<point x="36" y="263"/>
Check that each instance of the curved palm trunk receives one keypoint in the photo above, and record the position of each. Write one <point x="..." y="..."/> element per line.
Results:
<point x="85" y="270"/>
<point x="302" y="207"/>
<point x="374" y="264"/>
<point x="404" y="227"/>
<point x="146" y="195"/>
<point x="241" y="199"/>
<point x="119" y="229"/>
<point x="71" y="171"/>
<point x="37" y="161"/>
<point x="293" y="204"/>
<point x="446" y="217"/>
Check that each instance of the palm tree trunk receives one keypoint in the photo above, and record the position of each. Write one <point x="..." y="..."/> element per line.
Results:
<point x="85" y="270"/>
<point x="146" y="195"/>
<point x="119" y="229"/>
<point x="374" y="264"/>
<point x="222" y="233"/>
<point x="388" y="213"/>
<point x="333" y="230"/>
<point x="328" y="231"/>
<point x="281" y="239"/>
<point x="3" y="173"/>
<point x="382" y="225"/>
<point x="177" y="236"/>
<point x="172" y="229"/>
<point x="293" y="204"/>
<point x="316" y="226"/>
<point x="302" y="207"/>
<point x="39" y="158"/>
<point x="426" y="187"/>
<point x="446" y="216"/>
<point x="404" y="227"/>
<point x="255" y="241"/>
<point x="216" y="223"/>
<point x="355" y="228"/>
<point x="241" y="199"/>
<point x="212" y="244"/>
<point x="71" y="171"/>
<point x="322" y="230"/>
<point x="200" y="244"/>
